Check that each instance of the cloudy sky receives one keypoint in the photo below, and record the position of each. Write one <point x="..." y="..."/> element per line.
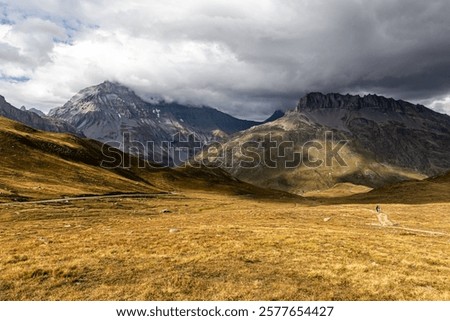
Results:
<point x="247" y="58"/>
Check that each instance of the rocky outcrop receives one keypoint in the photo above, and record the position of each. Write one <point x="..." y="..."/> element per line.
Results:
<point x="395" y="131"/>
<point x="316" y="100"/>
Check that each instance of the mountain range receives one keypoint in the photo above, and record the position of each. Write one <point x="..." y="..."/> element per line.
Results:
<point x="368" y="141"/>
<point x="108" y="111"/>
<point x="33" y="119"/>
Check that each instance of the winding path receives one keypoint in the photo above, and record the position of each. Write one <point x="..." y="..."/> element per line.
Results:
<point x="93" y="197"/>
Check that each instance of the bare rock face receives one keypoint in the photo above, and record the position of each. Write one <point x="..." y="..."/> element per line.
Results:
<point x="383" y="141"/>
<point x="109" y="111"/>
<point x="276" y="115"/>
<point x="34" y="120"/>
<point x="314" y="101"/>
<point x="396" y="132"/>
<point x="37" y="112"/>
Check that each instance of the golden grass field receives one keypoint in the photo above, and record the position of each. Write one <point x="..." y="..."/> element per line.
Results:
<point x="225" y="248"/>
<point x="220" y="239"/>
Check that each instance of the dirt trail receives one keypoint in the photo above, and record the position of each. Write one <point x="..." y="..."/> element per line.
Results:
<point x="418" y="230"/>
<point x="385" y="222"/>
<point x="93" y="197"/>
<point x="384" y="219"/>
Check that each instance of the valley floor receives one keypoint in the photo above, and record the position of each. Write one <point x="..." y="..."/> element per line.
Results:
<point x="217" y="247"/>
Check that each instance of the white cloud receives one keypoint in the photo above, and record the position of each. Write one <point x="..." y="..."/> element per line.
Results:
<point x="441" y="105"/>
<point x="27" y="45"/>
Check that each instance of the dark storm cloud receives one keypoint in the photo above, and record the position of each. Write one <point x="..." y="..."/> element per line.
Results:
<point x="395" y="48"/>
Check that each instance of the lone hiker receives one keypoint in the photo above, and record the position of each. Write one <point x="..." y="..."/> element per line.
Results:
<point x="378" y="209"/>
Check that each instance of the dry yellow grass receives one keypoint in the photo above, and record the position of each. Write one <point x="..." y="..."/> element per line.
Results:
<point x="36" y="164"/>
<point x="226" y="248"/>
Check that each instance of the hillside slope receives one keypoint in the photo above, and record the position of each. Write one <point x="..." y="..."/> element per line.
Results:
<point x="39" y="165"/>
<point x="431" y="190"/>
<point x="366" y="141"/>
<point x="298" y="163"/>
<point x="36" y="164"/>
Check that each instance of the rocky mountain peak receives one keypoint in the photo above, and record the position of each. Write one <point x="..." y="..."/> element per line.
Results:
<point x="111" y="87"/>
<point x="276" y="115"/>
<point x="33" y="110"/>
<point x="106" y="89"/>
<point x="108" y="111"/>
<point x="316" y="100"/>
<point x="109" y="97"/>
